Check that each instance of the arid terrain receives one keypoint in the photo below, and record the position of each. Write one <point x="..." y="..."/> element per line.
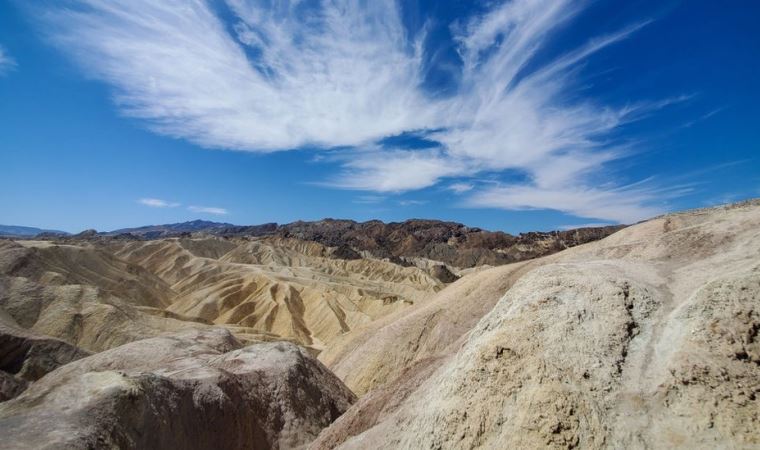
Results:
<point x="414" y="335"/>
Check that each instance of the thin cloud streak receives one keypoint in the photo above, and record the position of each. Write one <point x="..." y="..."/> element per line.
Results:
<point x="208" y="210"/>
<point x="412" y="202"/>
<point x="460" y="188"/>
<point x="625" y="204"/>
<point x="344" y="75"/>
<point x="368" y="200"/>
<point x="157" y="203"/>
<point x="7" y="63"/>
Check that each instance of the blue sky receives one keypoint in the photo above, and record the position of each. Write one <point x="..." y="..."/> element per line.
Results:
<point x="517" y="115"/>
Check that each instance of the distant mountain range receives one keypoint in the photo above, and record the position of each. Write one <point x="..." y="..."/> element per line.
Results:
<point x="449" y="242"/>
<point x="401" y="242"/>
<point x="156" y="231"/>
<point x="18" y="231"/>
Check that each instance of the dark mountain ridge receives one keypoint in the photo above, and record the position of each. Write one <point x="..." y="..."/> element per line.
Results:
<point x="156" y="231"/>
<point x="448" y="242"/>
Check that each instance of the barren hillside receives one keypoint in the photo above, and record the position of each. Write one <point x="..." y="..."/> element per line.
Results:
<point x="646" y="339"/>
<point x="100" y="294"/>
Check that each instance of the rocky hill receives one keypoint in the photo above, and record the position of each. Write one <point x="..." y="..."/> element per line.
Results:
<point x="646" y="339"/>
<point x="182" y="229"/>
<point x="99" y="294"/>
<point x="452" y="243"/>
<point x="337" y="334"/>
<point x="172" y="229"/>
<point x="195" y="389"/>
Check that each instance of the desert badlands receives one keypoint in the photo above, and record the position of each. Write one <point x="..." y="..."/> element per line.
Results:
<point x="421" y="335"/>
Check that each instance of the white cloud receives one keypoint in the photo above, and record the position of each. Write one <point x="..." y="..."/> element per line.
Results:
<point x="395" y="171"/>
<point x="208" y="210"/>
<point x="412" y="202"/>
<point x="460" y="188"/>
<point x="157" y="203"/>
<point x="627" y="204"/>
<point x="368" y="199"/>
<point x="704" y="117"/>
<point x="343" y="77"/>
<point x="283" y="76"/>
<point x="6" y="62"/>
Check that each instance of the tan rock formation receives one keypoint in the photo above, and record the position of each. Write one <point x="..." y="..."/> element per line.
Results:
<point x="98" y="295"/>
<point x="286" y="287"/>
<point x="194" y="389"/>
<point x="646" y="339"/>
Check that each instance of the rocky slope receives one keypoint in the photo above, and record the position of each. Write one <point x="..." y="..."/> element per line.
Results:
<point x="646" y="339"/>
<point x="25" y="357"/>
<point x="101" y="294"/>
<point x="100" y="291"/>
<point x="195" y="389"/>
<point x="288" y="288"/>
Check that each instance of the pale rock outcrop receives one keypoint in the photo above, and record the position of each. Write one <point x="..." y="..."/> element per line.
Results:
<point x="193" y="389"/>
<point x="646" y="339"/>
<point x="379" y="351"/>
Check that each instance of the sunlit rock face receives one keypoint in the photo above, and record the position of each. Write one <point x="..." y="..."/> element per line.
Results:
<point x="647" y="338"/>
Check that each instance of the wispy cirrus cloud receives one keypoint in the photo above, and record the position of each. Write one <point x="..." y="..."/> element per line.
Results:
<point x="6" y="62"/>
<point x="208" y="210"/>
<point x="157" y="203"/>
<point x="621" y="204"/>
<point x="625" y="205"/>
<point x="284" y="75"/>
<point x="396" y="171"/>
<point x="412" y="202"/>
<point x="368" y="199"/>
<point x="341" y="76"/>
<point x="460" y="188"/>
